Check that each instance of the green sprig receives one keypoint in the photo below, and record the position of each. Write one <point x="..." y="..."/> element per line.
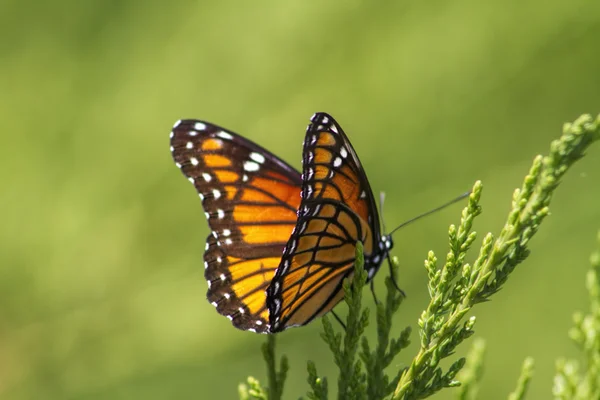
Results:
<point x="276" y="378"/>
<point x="523" y="382"/>
<point x="573" y="381"/>
<point x="472" y="372"/>
<point x="452" y="297"/>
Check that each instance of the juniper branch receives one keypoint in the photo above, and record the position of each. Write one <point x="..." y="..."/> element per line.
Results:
<point x="452" y="296"/>
<point x="276" y="378"/>
<point x="471" y="374"/>
<point x="572" y="381"/>
<point x="523" y="382"/>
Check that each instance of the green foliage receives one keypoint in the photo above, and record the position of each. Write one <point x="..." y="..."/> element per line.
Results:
<point x="523" y="382"/>
<point x="453" y="290"/>
<point x="471" y="373"/>
<point x="573" y="381"/>
<point x="276" y="378"/>
<point x="457" y="286"/>
<point x="253" y="389"/>
<point x="318" y="385"/>
<point x="379" y="384"/>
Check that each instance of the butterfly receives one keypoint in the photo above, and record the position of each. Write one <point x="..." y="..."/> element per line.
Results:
<point x="282" y="242"/>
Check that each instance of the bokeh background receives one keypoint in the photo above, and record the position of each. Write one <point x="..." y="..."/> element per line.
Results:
<point x="101" y="287"/>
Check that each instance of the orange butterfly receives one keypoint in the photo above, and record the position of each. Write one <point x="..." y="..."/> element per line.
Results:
<point x="282" y="242"/>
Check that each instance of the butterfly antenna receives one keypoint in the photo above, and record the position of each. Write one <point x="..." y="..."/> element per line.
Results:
<point x="381" y="197"/>
<point x="381" y="201"/>
<point x="425" y="214"/>
<point x="373" y="291"/>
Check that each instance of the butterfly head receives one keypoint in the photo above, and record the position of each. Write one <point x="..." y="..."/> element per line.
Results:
<point x="374" y="261"/>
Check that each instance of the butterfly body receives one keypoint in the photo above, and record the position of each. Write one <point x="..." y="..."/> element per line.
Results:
<point x="282" y="242"/>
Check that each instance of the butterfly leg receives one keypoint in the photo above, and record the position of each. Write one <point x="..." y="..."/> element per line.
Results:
<point x="338" y="319"/>
<point x="373" y="292"/>
<point x="393" y="278"/>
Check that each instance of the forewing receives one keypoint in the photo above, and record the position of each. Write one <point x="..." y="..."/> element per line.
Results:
<point x="336" y="211"/>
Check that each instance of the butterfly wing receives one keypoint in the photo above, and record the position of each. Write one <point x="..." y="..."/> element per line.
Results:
<point x="337" y="210"/>
<point x="250" y="198"/>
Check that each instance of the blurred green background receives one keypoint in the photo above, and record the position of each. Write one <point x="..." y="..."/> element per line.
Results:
<point x="101" y="287"/>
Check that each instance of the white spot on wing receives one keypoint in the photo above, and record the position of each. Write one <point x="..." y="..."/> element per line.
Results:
<point x="206" y="177"/>
<point x="343" y="152"/>
<point x="191" y="179"/>
<point x="216" y="193"/>
<point x="220" y="213"/>
<point x="225" y="135"/>
<point x="192" y="133"/>
<point x="285" y="266"/>
<point x="189" y="145"/>
<point x="337" y="162"/>
<point x="241" y="310"/>
<point x="277" y="305"/>
<point x="228" y="241"/>
<point x="226" y="232"/>
<point x="245" y="178"/>
<point x="251" y="166"/>
<point x="176" y="124"/>
<point x="194" y="161"/>
<point x="227" y="296"/>
<point x="259" y="322"/>
<point x="334" y="129"/>
<point x="259" y="158"/>
<point x="199" y="126"/>
<point x="223" y="277"/>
